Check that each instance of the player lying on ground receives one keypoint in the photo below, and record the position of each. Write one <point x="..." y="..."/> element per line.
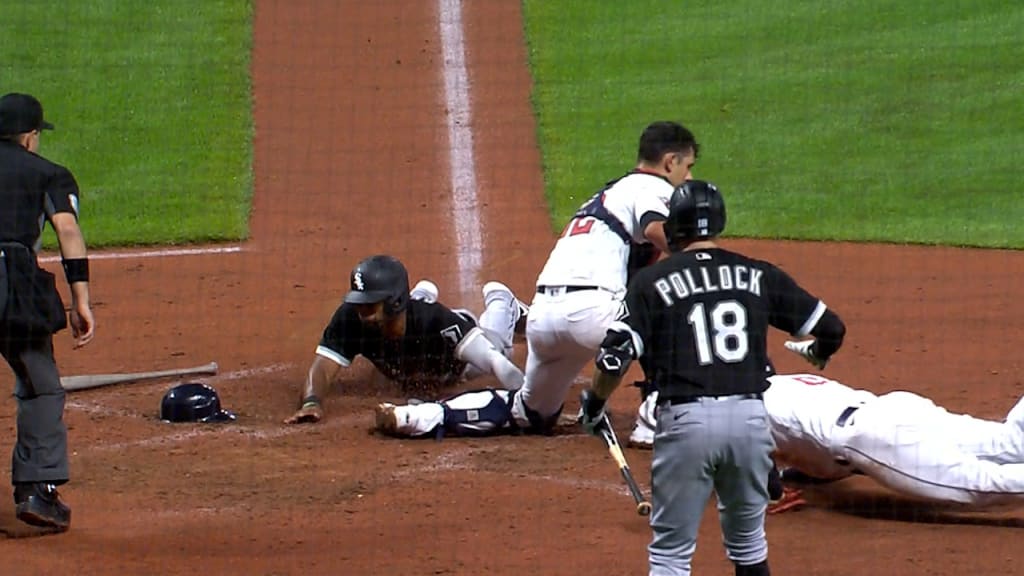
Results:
<point x="901" y="440"/>
<point x="827" y="431"/>
<point x="411" y="338"/>
<point x="487" y="412"/>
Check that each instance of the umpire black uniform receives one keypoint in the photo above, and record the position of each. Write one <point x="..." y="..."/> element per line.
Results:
<point x="34" y="191"/>
<point x="699" y="319"/>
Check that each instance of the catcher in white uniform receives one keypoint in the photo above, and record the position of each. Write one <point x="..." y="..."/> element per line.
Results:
<point x="828" y="431"/>
<point x="580" y="289"/>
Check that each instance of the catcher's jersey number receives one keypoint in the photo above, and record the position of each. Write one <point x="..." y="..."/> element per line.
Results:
<point x="580" y="226"/>
<point x="722" y="330"/>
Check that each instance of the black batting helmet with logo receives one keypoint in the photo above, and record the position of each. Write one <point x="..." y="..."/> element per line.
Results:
<point x="695" y="211"/>
<point x="380" y="278"/>
<point x="193" y="402"/>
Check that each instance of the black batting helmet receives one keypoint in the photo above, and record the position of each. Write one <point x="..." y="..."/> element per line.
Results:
<point x="695" y="211"/>
<point x="193" y="402"/>
<point x="380" y="278"/>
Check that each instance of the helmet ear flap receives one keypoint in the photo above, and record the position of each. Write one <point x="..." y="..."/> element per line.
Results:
<point x="696" y="211"/>
<point x="399" y="302"/>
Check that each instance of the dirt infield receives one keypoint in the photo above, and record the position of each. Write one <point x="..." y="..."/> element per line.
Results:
<point x="350" y="111"/>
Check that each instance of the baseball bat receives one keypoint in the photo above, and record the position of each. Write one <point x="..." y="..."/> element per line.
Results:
<point x="643" y="507"/>
<point x="96" y="380"/>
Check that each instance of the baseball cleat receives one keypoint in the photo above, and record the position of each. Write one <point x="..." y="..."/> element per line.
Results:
<point x="641" y="437"/>
<point x="385" y="419"/>
<point x="39" y="504"/>
<point x="492" y="287"/>
<point x="425" y="290"/>
<point x="792" y="499"/>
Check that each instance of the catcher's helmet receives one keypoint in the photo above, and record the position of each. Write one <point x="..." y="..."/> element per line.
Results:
<point x="696" y="210"/>
<point x="380" y="278"/>
<point x="193" y="402"/>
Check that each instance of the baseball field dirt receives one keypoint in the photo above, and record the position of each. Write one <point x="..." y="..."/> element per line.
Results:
<point x="351" y="158"/>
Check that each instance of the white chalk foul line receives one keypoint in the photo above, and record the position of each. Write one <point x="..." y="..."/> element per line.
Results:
<point x="154" y="253"/>
<point x="228" y="429"/>
<point x="248" y="372"/>
<point x="463" y="203"/>
<point x="457" y="459"/>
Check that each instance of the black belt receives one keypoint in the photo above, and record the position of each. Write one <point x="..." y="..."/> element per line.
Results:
<point x="674" y="400"/>
<point x="542" y="289"/>
<point x="845" y="416"/>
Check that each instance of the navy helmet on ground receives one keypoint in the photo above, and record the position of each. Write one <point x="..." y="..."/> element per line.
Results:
<point x="380" y="278"/>
<point x="193" y="402"/>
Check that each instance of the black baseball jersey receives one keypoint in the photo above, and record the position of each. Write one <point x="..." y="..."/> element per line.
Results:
<point x="32" y="189"/>
<point x="424" y="355"/>
<point x="703" y="318"/>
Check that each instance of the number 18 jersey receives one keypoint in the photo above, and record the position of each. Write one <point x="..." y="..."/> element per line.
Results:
<point x="703" y="318"/>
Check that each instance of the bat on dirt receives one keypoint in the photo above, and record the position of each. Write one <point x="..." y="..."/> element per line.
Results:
<point x="643" y="507"/>
<point x="96" y="380"/>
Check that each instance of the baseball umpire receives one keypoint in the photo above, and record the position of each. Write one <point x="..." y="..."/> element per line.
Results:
<point x="700" y="319"/>
<point x="33" y="191"/>
<point x="411" y="339"/>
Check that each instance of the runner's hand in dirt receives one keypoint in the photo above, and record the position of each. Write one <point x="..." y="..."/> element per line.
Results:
<point x="308" y="414"/>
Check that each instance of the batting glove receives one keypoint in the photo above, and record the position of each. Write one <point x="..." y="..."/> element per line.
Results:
<point x="592" y="413"/>
<point x="804" y="349"/>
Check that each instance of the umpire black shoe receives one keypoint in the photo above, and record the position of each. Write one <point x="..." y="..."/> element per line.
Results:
<point x="39" y="504"/>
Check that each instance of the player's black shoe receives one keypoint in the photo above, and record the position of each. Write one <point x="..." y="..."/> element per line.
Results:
<point x="39" y="504"/>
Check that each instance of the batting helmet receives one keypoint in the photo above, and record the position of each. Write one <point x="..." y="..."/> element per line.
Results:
<point x="193" y="402"/>
<point x="696" y="210"/>
<point x="380" y="278"/>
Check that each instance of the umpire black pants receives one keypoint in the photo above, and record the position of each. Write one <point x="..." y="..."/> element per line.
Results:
<point x="41" y="451"/>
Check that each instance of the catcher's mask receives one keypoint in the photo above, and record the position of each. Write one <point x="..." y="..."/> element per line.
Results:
<point x="380" y="278"/>
<point x="193" y="402"/>
<point x="695" y="211"/>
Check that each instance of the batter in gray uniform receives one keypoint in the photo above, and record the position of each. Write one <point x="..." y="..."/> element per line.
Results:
<point x="699" y="320"/>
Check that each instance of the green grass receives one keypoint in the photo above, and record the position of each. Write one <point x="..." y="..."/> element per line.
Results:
<point x="151" y="99"/>
<point x="874" y="120"/>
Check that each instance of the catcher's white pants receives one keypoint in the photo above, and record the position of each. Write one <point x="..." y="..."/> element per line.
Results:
<point x="908" y="444"/>
<point x="563" y="333"/>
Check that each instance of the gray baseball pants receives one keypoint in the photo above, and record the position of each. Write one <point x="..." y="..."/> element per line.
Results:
<point x="41" y="450"/>
<point x="721" y="444"/>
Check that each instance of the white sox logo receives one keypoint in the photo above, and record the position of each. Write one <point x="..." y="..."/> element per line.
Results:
<point x="357" y="281"/>
<point x="452" y="334"/>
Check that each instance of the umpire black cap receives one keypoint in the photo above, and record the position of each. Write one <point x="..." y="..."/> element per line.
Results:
<point x="193" y="402"/>
<point x="20" y="113"/>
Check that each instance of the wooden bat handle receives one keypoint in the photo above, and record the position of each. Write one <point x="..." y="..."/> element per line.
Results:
<point x="643" y="507"/>
<point x="97" y="380"/>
